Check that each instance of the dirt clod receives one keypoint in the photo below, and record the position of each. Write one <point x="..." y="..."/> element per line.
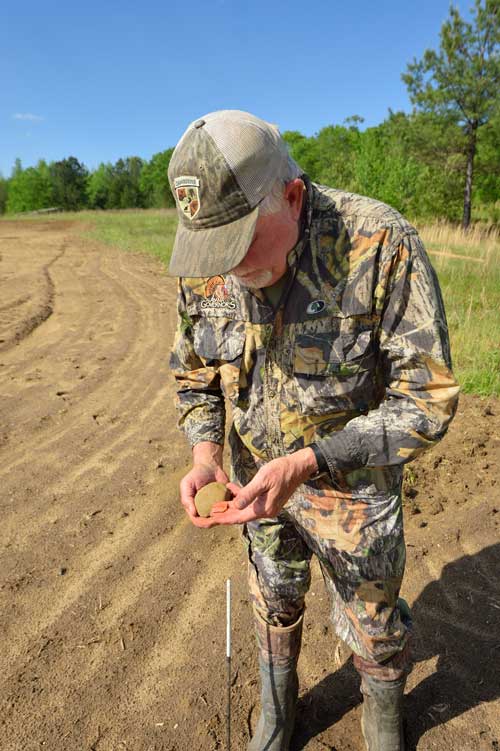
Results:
<point x="210" y="495"/>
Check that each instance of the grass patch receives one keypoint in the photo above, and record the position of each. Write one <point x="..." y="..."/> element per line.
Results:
<point x="137" y="230"/>
<point x="471" y="288"/>
<point x="471" y="292"/>
<point x="144" y="231"/>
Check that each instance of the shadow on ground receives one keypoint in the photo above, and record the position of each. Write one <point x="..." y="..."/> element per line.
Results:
<point x="456" y="620"/>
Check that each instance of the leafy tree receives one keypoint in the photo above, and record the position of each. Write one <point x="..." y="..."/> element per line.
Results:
<point x="4" y="187"/>
<point x="383" y="170"/>
<point x="99" y="187"/>
<point x="30" y="189"/>
<point x="305" y="152"/>
<point x="488" y="164"/>
<point x="132" y="195"/>
<point x="421" y="164"/>
<point x="125" y="191"/>
<point x="461" y="80"/>
<point x="337" y="148"/>
<point x="408" y="161"/>
<point x="69" y="183"/>
<point x="154" y="181"/>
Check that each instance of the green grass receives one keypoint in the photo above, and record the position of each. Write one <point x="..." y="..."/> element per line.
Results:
<point x="145" y="231"/>
<point x="471" y="292"/>
<point x="471" y="289"/>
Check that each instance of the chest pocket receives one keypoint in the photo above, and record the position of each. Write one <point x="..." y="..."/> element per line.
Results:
<point x="334" y="364"/>
<point x="219" y="342"/>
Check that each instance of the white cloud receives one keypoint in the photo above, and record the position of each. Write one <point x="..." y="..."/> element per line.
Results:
<point x="28" y="116"/>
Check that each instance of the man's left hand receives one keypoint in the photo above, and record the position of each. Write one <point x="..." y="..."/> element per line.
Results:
<point x="266" y="494"/>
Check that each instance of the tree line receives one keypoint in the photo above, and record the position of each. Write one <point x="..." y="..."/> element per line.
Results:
<point x="68" y="185"/>
<point x="414" y="162"/>
<point x="437" y="162"/>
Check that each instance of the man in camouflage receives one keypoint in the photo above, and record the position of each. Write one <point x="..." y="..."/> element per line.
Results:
<point x="317" y="316"/>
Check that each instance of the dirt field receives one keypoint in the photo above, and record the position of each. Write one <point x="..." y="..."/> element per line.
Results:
<point x="112" y="606"/>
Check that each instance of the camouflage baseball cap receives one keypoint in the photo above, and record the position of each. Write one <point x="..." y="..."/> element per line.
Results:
<point x="222" y="168"/>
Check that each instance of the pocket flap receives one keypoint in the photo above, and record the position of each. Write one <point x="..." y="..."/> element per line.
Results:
<point x="218" y="338"/>
<point x="324" y="353"/>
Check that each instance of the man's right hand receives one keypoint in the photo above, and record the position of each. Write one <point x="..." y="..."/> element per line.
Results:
<point x="207" y="467"/>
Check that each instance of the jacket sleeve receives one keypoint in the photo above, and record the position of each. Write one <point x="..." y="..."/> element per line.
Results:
<point x="200" y="402"/>
<point x="414" y="363"/>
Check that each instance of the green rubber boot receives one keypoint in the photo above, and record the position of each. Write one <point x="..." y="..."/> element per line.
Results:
<point x="382" y="714"/>
<point x="382" y="717"/>
<point x="279" y="649"/>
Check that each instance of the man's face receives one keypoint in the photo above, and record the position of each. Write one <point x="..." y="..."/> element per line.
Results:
<point x="275" y="236"/>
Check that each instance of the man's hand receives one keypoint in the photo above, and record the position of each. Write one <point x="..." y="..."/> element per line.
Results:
<point x="207" y="467"/>
<point x="266" y="494"/>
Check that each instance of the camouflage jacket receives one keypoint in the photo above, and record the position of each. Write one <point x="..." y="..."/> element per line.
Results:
<point x="355" y="357"/>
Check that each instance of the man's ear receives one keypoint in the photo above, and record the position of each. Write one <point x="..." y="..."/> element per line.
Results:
<point x="294" y="196"/>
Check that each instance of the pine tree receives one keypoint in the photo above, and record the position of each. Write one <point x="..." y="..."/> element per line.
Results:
<point x="462" y="79"/>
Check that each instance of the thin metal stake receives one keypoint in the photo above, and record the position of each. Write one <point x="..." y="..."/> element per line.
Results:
<point x="228" y="662"/>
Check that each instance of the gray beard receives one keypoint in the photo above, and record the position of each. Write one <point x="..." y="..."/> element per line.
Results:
<point x="256" y="281"/>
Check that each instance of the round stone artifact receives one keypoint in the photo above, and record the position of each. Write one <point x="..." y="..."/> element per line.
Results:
<point x="214" y="492"/>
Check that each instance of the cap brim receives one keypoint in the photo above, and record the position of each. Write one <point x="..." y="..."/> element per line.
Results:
<point x="214" y="250"/>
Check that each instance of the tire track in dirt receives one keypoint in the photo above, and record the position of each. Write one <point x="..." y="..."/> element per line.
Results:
<point x="46" y="304"/>
<point x="120" y="371"/>
<point x="127" y="601"/>
<point x="148" y="394"/>
<point x="43" y="305"/>
<point x="88" y="565"/>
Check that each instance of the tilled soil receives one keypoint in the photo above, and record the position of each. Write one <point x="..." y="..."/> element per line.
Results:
<point x="112" y="606"/>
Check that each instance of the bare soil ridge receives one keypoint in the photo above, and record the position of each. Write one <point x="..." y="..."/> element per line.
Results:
<point x="27" y="298"/>
<point x="112" y="605"/>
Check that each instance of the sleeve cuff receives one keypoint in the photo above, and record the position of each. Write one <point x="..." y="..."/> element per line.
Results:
<point x="341" y="453"/>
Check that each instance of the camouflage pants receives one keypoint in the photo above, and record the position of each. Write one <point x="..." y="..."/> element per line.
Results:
<point x="358" y="540"/>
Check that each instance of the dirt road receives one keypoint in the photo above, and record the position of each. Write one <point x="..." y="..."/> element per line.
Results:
<point x="112" y="604"/>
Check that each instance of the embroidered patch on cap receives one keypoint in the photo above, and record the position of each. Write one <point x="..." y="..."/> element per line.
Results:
<point x="188" y="195"/>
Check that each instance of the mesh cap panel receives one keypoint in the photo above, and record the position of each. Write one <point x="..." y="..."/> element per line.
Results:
<point x="252" y="148"/>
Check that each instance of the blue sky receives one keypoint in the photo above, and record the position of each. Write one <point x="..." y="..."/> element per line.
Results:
<point x="104" y="80"/>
